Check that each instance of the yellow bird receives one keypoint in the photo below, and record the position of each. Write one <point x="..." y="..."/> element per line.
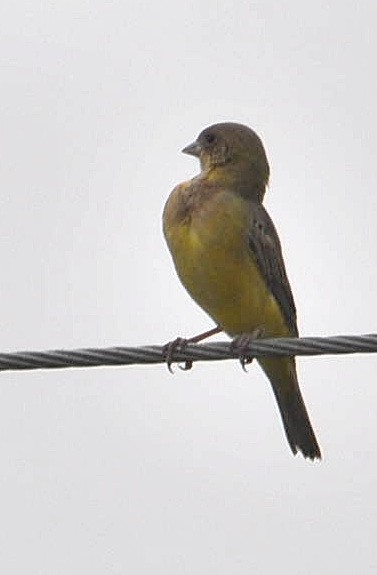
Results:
<point x="228" y="256"/>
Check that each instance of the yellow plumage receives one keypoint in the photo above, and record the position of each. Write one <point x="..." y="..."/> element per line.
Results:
<point x="228" y="256"/>
<point x="211" y="256"/>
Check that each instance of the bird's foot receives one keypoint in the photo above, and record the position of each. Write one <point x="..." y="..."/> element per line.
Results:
<point x="240" y="345"/>
<point x="180" y="343"/>
<point x="169" y="350"/>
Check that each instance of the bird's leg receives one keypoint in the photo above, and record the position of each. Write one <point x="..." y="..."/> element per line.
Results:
<point x="180" y="343"/>
<point x="241" y="343"/>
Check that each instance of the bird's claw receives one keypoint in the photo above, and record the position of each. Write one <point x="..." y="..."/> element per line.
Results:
<point x="169" y="350"/>
<point x="187" y="365"/>
<point x="240" y="345"/>
<point x="245" y="360"/>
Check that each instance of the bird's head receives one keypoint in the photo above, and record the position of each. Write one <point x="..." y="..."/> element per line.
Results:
<point x="233" y="154"/>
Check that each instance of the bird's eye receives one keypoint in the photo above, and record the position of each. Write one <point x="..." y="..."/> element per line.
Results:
<point x="209" y="138"/>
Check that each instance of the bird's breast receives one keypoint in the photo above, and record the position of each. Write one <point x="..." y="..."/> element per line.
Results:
<point x="207" y="234"/>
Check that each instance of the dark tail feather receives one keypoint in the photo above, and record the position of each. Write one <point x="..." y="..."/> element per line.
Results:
<point x="295" y="418"/>
<point x="296" y="422"/>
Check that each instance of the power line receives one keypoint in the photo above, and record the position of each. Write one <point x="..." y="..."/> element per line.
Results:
<point x="95" y="357"/>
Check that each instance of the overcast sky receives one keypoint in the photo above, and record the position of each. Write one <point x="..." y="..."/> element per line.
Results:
<point x="132" y="470"/>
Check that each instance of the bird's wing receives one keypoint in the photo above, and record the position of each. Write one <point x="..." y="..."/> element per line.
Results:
<point x="265" y="246"/>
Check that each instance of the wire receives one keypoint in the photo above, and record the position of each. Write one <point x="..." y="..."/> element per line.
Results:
<point x="93" y="357"/>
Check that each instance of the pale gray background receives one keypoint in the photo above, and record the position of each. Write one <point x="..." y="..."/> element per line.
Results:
<point x="131" y="470"/>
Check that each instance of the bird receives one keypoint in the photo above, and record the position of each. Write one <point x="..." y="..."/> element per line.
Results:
<point x="228" y="256"/>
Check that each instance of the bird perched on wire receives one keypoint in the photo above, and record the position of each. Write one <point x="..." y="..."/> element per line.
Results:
<point x="227" y="254"/>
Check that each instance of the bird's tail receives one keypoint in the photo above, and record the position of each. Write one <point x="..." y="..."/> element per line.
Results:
<point x="283" y="377"/>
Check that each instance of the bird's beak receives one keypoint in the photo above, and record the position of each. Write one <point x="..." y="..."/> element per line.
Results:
<point x="193" y="149"/>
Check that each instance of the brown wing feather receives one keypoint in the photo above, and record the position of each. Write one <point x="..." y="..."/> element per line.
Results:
<point x="265" y="246"/>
